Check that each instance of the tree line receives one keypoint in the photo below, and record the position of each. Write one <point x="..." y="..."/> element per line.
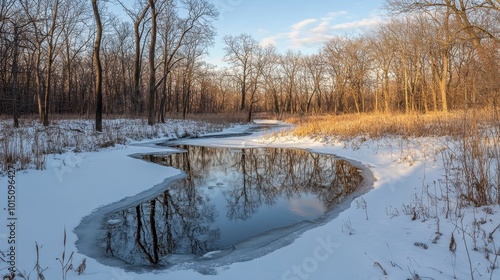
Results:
<point x="75" y="57"/>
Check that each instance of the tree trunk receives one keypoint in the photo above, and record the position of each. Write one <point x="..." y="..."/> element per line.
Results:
<point x="98" y="68"/>
<point x="15" y="71"/>
<point x="50" y="59"/>
<point x="386" y="91"/>
<point x="243" y="92"/>
<point x="67" y="83"/>
<point x="38" y="81"/>
<point x="406" y="86"/>
<point x="136" y="96"/>
<point x="163" y="99"/>
<point x="152" y="70"/>
<point x="443" y="82"/>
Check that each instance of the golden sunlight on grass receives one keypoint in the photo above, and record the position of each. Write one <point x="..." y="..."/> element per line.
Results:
<point x="380" y="125"/>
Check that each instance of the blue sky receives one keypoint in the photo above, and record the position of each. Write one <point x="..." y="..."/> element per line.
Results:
<point x="289" y="24"/>
<point x="293" y="24"/>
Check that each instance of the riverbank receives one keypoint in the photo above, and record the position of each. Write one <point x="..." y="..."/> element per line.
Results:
<point x="401" y="229"/>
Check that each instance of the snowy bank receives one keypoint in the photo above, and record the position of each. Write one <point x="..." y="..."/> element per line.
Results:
<point x="398" y="230"/>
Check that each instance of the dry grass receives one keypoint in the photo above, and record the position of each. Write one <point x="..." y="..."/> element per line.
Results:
<point x="225" y="118"/>
<point x="472" y="154"/>
<point x="26" y="147"/>
<point x="381" y="125"/>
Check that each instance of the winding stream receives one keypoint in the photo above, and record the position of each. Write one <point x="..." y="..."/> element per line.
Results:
<point x="228" y="200"/>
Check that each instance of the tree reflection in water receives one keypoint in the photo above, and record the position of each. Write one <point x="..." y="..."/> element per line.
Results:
<point x="228" y="192"/>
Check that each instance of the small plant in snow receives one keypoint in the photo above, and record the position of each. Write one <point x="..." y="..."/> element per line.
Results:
<point x="421" y="245"/>
<point x="377" y="264"/>
<point x="391" y="212"/>
<point x="417" y="209"/>
<point x="66" y="264"/>
<point x="452" y="247"/>
<point x="347" y="227"/>
<point x="437" y="235"/>
<point x="81" y="268"/>
<point x="488" y="211"/>
<point x="494" y="250"/>
<point x="361" y="202"/>
<point x="39" y="270"/>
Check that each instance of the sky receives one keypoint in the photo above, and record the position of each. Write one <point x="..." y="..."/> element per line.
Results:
<point x="293" y="24"/>
<point x="300" y="25"/>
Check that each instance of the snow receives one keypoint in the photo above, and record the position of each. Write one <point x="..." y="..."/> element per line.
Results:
<point x="387" y="245"/>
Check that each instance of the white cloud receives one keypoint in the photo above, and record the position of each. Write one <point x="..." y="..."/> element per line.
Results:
<point x="301" y="24"/>
<point x="271" y="40"/>
<point x="360" y="24"/>
<point x="262" y="31"/>
<point x="333" y="15"/>
<point x="296" y="29"/>
<point x="312" y="32"/>
<point x="323" y="27"/>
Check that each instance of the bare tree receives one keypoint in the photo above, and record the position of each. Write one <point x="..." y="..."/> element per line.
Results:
<point x="290" y="64"/>
<point x="194" y="32"/>
<point x="443" y="55"/>
<point x="262" y="58"/>
<point x="382" y="48"/>
<point x="465" y="13"/>
<point x="315" y="69"/>
<point x="272" y="81"/>
<point x="33" y="12"/>
<point x="138" y="17"/>
<point x="98" y="67"/>
<point x="240" y="51"/>
<point x="440" y="53"/>
<point x="50" y="60"/>
<point x="479" y="20"/>
<point x="152" y="66"/>
<point x="15" y="72"/>
<point x="410" y="45"/>
<point x="77" y="36"/>
<point x="9" y="15"/>
<point x="348" y="62"/>
<point x="190" y="63"/>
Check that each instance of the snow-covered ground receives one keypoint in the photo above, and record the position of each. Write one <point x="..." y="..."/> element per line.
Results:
<point x="388" y="233"/>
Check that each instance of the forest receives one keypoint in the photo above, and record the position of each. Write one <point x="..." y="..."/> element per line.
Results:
<point x="101" y="102"/>
<point x="76" y="57"/>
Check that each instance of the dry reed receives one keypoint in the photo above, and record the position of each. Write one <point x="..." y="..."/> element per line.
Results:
<point x="381" y="125"/>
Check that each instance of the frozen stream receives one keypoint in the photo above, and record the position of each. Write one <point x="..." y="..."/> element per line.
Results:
<point x="231" y="204"/>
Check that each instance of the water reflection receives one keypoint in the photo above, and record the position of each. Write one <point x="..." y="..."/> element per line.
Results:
<point x="228" y="195"/>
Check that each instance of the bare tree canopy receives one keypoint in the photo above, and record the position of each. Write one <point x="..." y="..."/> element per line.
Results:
<point x="478" y="18"/>
<point x="428" y="55"/>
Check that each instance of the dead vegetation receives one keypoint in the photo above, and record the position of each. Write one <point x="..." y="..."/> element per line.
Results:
<point x="470" y="138"/>
<point x="378" y="125"/>
<point x="26" y="147"/>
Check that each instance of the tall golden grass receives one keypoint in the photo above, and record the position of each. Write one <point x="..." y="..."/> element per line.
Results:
<point x="380" y="125"/>
<point x="472" y="156"/>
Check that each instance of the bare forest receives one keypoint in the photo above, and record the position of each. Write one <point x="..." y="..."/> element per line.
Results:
<point x="89" y="89"/>
<point x="76" y="57"/>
